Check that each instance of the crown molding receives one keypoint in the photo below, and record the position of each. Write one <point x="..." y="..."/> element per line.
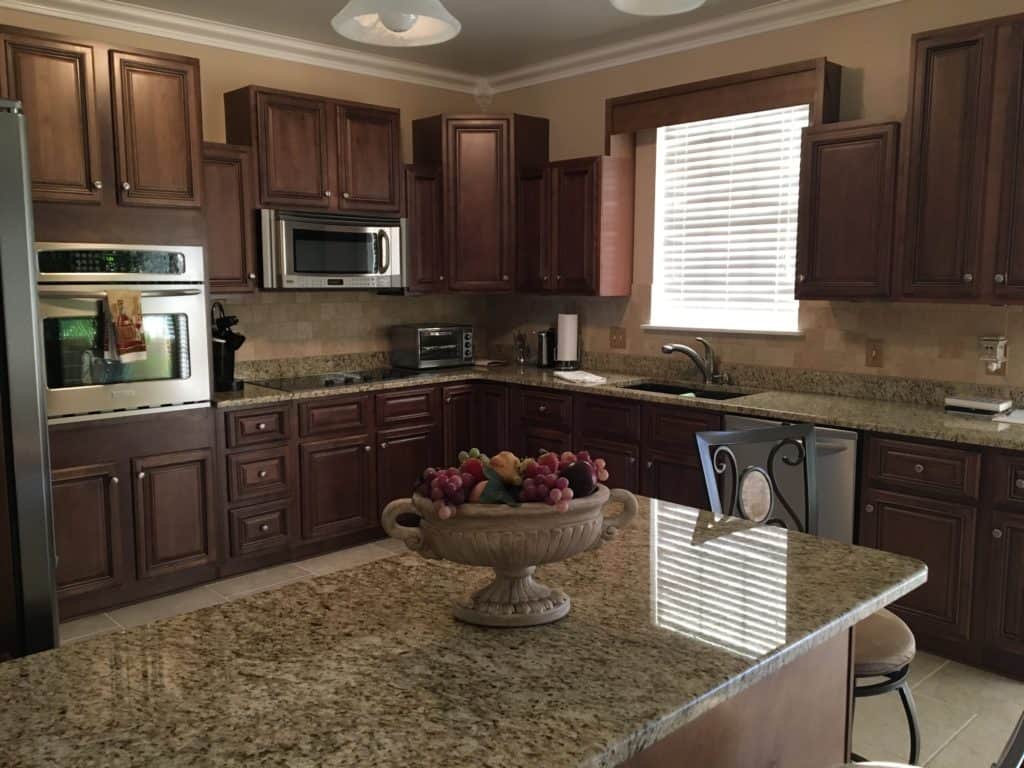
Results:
<point x="777" y="15"/>
<point x="134" y="18"/>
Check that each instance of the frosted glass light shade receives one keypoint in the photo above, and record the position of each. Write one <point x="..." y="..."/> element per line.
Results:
<point x="396" y="22"/>
<point x="656" y="7"/>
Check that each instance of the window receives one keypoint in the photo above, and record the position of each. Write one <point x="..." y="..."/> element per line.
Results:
<point x="725" y="222"/>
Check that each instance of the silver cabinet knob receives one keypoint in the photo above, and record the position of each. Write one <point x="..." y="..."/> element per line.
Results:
<point x="115" y="480"/>
<point x="98" y="184"/>
<point x="346" y="195"/>
<point x="505" y="278"/>
<point x="384" y="445"/>
<point x="919" y="468"/>
<point x="367" y="448"/>
<point x="869" y="507"/>
<point x="262" y="426"/>
<point x="968" y="277"/>
<point x="542" y="409"/>
<point x="650" y="465"/>
<point x="1000" y="279"/>
<point x="545" y="278"/>
<point x="142" y="475"/>
<point x="252" y="275"/>
<point x="558" y="278"/>
<point x="632" y="459"/>
<point x="265" y="527"/>
<point x="801" y="278"/>
<point x="441" y="278"/>
<point x="125" y="186"/>
<point x="1019" y="483"/>
<point x="997" y="533"/>
<point x="447" y="399"/>
<point x="262" y="473"/>
<point x="327" y="193"/>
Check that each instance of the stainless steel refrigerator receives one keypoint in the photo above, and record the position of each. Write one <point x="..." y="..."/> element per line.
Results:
<point x="28" y="618"/>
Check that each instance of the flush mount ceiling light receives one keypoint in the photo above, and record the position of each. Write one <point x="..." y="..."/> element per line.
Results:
<point x="657" y="7"/>
<point x="396" y="22"/>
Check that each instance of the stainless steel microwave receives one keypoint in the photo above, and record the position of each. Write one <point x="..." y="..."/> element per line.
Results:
<point x="431" y="346"/>
<point x="331" y="251"/>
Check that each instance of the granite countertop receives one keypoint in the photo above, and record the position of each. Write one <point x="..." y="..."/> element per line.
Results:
<point x="897" y="418"/>
<point x="367" y="667"/>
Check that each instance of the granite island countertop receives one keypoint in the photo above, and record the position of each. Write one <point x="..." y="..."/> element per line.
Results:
<point x="367" y="667"/>
<point x="895" y="418"/>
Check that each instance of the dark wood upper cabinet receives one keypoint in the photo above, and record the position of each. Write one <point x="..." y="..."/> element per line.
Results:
<point x="230" y="222"/>
<point x="424" y="234"/>
<point x="533" y="267"/>
<point x="293" y="151"/>
<point x="314" y="152"/>
<point x="1006" y="162"/>
<point x="368" y="159"/>
<point x="175" y="527"/>
<point x="55" y="81"/>
<point x="483" y="158"/>
<point x="847" y="204"/>
<point x="950" y="117"/>
<point x="157" y="129"/>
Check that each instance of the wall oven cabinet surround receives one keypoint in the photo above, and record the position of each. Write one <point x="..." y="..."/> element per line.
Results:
<point x="847" y="211"/>
<point x="480" y="158"/>
<point x="114" y="134"/>
<point x="73" y="285"/>
<point x="317" y="153"/>
<point x="331" y="251"/>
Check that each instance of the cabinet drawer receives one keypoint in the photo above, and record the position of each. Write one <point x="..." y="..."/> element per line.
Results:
<point x="266" y="425"/>
<point x="1004" y="477"/>
<point x="549" y="409"/>
<point x="924" y="469"/>
<point x="671" y="429"/>
<point x="256" y="474"/>
<point x="336" y="415"/>
<point x="608" y="418"/>
<point x="407" y="406"/>
<point x="259" y="528"/>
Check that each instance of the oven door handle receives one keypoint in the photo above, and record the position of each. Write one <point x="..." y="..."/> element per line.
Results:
<point x="385" y="249"/>
<point x="100" y="295"/>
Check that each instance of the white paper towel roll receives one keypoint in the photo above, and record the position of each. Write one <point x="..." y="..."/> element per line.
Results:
<point x="568" y="338"/>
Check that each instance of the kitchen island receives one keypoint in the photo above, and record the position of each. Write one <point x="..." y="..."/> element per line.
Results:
<point x="687" y="637"/>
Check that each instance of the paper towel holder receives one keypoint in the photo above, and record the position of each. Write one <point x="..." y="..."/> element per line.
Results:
<point x="573" y="363"/>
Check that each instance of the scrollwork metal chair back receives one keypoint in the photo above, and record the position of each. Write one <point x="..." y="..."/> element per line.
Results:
<point x="753" y="491"/>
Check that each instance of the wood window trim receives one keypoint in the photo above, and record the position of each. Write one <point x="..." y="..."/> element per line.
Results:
<point x="814" y="81"/>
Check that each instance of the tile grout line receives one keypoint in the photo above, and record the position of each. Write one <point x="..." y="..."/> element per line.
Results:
<point x="951" y="739"/>
<point x="117" y="623"/>
<point x="930" y="675"/>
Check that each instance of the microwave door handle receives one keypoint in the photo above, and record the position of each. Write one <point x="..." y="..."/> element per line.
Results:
<point x="100" y="295"/>
<point x="385" y="249"/>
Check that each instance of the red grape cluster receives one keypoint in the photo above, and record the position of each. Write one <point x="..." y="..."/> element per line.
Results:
<point x="447" y="488"/>
<point x="550" y="478"/>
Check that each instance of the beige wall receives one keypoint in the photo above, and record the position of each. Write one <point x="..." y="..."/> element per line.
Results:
<point x="923" y="340"/>
<point x="297" y="324"/>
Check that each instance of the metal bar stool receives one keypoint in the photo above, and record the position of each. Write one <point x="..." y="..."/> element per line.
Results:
<point x="883" y="644"/>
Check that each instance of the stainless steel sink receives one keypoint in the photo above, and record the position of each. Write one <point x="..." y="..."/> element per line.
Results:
<point x="675" y="389"/>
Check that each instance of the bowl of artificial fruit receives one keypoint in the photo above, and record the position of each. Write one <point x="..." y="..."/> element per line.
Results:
<point x="511" y="515"/>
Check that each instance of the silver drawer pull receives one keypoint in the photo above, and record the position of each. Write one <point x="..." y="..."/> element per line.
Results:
<point x="265" y="527"/>
<point x="367" y="448"/>
<point x="98" y="184"/>
<point x="125" y="186"/>
<point x="142" y="475"/>
<point x="542" y="409"/>
<point x="262" y="473"/>
<point x="997" y="533"/>
<point x="384" y="444"/>
<point x="632" y="459"/>
<point x="650" y="465"/>
<point x="261" y="426"/>
<point x="968" y="277"/>
<point x="869" y="507"/>
<point x="919" y="468"/>
<point x="1000" y="279"/>
<point x="1019" y="483"/>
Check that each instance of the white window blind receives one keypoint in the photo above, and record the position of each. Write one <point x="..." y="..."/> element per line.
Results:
<point x="725" y="222"/>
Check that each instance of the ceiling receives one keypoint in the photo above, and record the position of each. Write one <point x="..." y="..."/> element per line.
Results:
<point x="497" y="35"/>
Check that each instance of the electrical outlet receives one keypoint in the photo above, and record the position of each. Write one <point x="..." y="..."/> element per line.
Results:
<point x="873" y="353"/>
<point x="617" y="337"/>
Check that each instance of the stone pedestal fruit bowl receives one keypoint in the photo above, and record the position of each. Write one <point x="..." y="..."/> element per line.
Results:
<point x="513" y="541"/>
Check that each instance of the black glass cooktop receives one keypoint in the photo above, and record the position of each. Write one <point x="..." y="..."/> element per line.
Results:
<point x="338" y="379"/>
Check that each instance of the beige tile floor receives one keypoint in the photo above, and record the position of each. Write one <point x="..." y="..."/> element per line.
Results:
<point x="966" y="714"/>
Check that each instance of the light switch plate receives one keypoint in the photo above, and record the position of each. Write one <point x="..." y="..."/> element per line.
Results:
<point x="617" y="337"/>
<point x="874" y="356"/>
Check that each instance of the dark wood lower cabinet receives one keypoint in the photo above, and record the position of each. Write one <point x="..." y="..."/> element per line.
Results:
<point x="260" y="529"/>
<point x="674" y="478"/>
<point x="174" y="516"/>
<point x="459" y="422"/>
<point x="338" y="494"/>
<point x="88" y="527"/>
<point x="402" y="455"/>
<point x="533" y="440"/>
<point x="1003" y="548"/>
<point x="492" y="418"/>
<point x="622" y="459"/>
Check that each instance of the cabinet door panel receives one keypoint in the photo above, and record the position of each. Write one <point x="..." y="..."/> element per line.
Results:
<point x="87" y="529"/>
<point x="950" y="118"/>
<point x="459" y="432"/>
<point x="230" y="221"/>
<point x="678" y="479"/>
<point x="174" y="522"/>
<point x="492" y="423"/>
<point x="623" y="460"/>
<point x="847" y="198"/>
<point x="424" y="237"/>
<point x="940" y="534"/>
<point x="402" y="456"/>
<point x="573" y="233"/>
<point x="54" y="81"/>
<point x="337" y="487"/>
<point x="1005" y="620"/>
<point x="478" y="208"/>
<point x="367" y="159"/>
<point x="533" y="265"/>
<point x="157" y="130"/>
<point x="293" y="151"/>
<point x="1008" y="158"/>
